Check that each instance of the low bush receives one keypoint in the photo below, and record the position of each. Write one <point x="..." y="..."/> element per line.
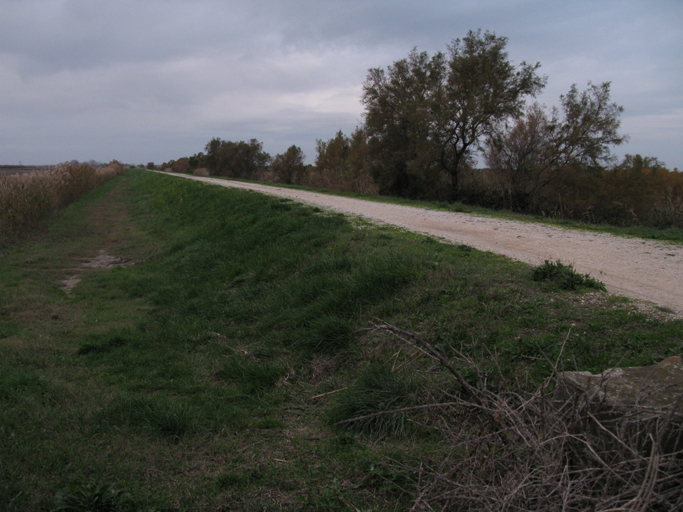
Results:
<point x="565" y="276"/>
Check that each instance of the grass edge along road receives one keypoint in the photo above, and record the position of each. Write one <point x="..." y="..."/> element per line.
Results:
<point x="208" y="368"/>
<point x="667" y="235"/>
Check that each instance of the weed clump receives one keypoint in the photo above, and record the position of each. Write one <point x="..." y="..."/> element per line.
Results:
<point x="377" y="390"/>
<point x="93" y="497"/>
<point x="565" y="276"/>
<point x="252" y="376"/>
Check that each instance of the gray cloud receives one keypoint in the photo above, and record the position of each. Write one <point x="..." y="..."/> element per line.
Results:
<point x="155" y="80"/>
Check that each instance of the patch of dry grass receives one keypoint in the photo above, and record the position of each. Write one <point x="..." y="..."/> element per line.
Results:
<point x="27" y="200"/>
<point x="516" y="449"/>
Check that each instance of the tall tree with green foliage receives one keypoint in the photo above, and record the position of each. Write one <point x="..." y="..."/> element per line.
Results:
<point x="289" y="167"/>
<point x="236" y="159"/>
<point x="433" y="112"/>
<point x="343" y="160"/>
<point x="399" y="120"/>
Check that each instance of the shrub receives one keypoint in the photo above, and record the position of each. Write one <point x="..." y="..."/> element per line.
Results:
<point x="565" y="276"/>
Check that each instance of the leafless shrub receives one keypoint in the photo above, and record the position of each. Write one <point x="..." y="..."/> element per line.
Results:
<point x="520" y="450"/>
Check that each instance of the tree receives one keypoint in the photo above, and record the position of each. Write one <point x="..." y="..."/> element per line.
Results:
<point x="212" y="147"/>
<point x="235" y="159"/>
<point x="483" y="88"/>
<point x="588" y="127"/>
<point x="399" y="120"/>
<point x="524" y="156"/>
<point x="428" y="112"/>
<point x="289" y="168"/>
<point x="181" y="165"/>
<point x="536" y="149"/>
<point x="342" y="162"/>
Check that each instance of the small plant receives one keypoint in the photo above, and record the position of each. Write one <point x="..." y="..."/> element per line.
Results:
<point x="377" y="390"/>
<point x="565" y="276"/>
<point x="253" y="376"/>
<point x="92" y="497"/>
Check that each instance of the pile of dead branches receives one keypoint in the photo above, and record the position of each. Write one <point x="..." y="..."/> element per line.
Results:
<point x="516" y="450"/>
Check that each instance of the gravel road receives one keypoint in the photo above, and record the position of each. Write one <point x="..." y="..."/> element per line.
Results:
<point x="636" y="268"/>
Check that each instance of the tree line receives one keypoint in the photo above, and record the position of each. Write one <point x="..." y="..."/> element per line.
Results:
<point x="429" y="120"/>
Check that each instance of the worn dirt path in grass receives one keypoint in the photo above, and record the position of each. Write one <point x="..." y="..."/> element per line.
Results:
<point x="637" y="268"/>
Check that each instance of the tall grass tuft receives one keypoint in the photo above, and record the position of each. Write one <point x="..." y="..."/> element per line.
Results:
<point x="377" y="390"/>
<point x="27" y="200"/>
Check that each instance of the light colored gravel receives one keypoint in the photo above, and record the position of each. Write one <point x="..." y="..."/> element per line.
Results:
<point x="636" y="268"/>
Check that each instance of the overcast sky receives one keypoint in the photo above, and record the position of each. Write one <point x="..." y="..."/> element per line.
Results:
<point x="154" y="80"/>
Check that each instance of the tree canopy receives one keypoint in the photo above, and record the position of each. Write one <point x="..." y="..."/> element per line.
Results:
<point x="532" y="152"/>
<point x="289" y="167"/>
<point x="427" y="114"/>
<point x="235" y="159"/>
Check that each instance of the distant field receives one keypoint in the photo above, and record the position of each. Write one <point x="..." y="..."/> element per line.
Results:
<point x="6" y="170"/>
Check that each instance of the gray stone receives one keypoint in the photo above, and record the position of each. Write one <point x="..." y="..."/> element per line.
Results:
<point x="639" y="403"/>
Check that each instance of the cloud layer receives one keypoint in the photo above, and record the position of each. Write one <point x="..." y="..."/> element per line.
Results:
<point x="155" y="80"/>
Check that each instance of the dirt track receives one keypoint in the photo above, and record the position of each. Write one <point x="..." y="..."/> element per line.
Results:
<point x="637" y="268"/>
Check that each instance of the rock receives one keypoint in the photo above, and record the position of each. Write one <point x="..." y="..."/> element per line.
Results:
<point x="639" y="401"/>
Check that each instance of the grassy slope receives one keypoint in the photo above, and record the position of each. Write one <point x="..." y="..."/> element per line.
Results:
<point x="672" y="234"/>
<point x="194" y="378"/>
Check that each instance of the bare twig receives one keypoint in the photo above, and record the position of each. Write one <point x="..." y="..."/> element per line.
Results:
<point x="530" y="452"/>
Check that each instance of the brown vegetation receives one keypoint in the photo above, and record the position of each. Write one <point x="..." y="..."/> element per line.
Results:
<point x="515" y="449"/>
<point x="27" y="200"/>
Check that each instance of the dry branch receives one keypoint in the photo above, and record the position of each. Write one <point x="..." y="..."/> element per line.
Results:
<point x="520" y="450"/>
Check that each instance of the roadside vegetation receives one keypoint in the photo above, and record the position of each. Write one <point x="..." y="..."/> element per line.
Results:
<point x="225" y="362"/>
<point x="27" y="200"/>
<point x="461" y="126"/>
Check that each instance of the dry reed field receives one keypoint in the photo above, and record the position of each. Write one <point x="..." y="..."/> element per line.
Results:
<point x="26" y="200"/>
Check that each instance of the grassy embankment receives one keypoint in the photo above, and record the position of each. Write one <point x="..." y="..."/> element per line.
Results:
<point x="208" y="374"/>
<point x="671" y="234"/>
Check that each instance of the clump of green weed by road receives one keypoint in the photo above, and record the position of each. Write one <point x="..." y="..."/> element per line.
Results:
<point x="566" y="277"/>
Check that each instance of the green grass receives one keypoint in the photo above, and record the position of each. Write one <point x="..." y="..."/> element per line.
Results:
<point x="673" y="234"/>
<point x="566" y="277"/>
<point x="210" y="373"/>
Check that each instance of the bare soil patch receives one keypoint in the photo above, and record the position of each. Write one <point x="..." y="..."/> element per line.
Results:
<point x="102" y="260"/>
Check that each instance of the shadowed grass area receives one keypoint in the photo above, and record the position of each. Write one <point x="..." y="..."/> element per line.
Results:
<point x="205" y="376"/>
